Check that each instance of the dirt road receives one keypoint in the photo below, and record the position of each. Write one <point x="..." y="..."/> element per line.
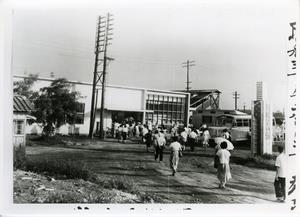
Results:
<point x="195" y="181"/>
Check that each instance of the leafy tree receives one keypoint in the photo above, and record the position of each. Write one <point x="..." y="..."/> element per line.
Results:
<point x="56" y="105"/>
<point x="24" y="87"/>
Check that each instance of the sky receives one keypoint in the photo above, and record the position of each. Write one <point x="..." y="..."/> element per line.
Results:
<point x="234" y="44"/>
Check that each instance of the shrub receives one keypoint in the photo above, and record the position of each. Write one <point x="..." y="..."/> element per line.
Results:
<point x="268" y="156"/>
<point x="67" y="197"/>
<point x="19" y="158"/>
<point x="68" y="169"/>
<point x="150" y="198"/>
<point x="122" y="184"/>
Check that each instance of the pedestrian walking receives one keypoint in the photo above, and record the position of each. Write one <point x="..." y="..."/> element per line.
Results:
<point x="125" y="129"/>
<point x="279" y="182"/>
<point x="144" y="132"/>
<point x="176" y="148"/>
<point x="120" y="133"/>
<point x="148" y="139"/>
<point x="183" y="139"/>
<point x="192" y="139"/>
<point x="137" y="130"/>
<point x="115" y="129"/>
<point x="223" y="173"/>
<point x="130" y="130"/>
<point x="206" y="137"/>
<point x="226" y="135"/>
<point x="160" y="143"/>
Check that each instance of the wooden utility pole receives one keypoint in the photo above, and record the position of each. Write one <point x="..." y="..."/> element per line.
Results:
<point x="103" y="36"/>
<point x="236" y="96"/>
<point x="187" y="65"/>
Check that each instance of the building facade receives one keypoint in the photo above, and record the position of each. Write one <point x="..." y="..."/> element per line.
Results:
<point x="160" y="107"/>
<point x="21" y="109"/>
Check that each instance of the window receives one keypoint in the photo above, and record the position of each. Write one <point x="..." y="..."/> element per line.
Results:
<point x="18" y="127"/>
<point x="239" y="122"/>
<point x="246" y="122"/>
<point x="79" y="113"/>
<point x="166" y="109"/>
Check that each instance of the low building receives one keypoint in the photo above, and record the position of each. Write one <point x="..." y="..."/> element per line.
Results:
<point x="160" y="107"/>
<point x="21" y="110"/>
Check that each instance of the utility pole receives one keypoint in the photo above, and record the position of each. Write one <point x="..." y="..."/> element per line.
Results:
<point x="95" y="108"/>
<point x="103" y="37"/>
<point x="236" y="96"/>
<point x="187" y="65"/>
<point x="244" y="107"/>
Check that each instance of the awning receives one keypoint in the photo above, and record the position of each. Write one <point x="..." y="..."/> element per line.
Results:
<point x="29" y="117"/>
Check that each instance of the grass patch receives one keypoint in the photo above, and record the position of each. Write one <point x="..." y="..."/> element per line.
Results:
<point x="71" y="197"/>
<point x="61" y="169"/>
<point x="123" y="184"/>
<point x="266" y="161"/>
<point x="32" y="140"/>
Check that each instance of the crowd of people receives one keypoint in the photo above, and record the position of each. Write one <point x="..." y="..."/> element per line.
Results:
<point x="178" y="138"/>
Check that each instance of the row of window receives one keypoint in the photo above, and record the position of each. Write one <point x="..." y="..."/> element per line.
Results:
<point x="166" y="109"/>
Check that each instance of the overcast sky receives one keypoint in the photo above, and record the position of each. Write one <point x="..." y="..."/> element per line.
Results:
<point x="234" y="44"/>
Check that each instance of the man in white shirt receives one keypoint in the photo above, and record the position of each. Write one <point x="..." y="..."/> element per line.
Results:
<point x="174" y="156"/>
<point x="279" y="182"/>
<point x="192" y="139"/>
<point x="159" y="142"/>
<point x="183" y="139"/>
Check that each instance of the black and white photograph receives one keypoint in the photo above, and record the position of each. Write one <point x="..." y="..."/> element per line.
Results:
<point x="148" y="102"/>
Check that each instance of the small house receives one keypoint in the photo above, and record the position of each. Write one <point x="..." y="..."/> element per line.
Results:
<point x="21" y="110"/>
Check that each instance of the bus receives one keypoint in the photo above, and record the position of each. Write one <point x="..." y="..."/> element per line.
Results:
<point x="239" y="126"/>
<point x="236" y="122"/>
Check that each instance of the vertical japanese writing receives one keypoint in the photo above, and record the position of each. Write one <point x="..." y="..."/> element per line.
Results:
<point x="290" y="115"/>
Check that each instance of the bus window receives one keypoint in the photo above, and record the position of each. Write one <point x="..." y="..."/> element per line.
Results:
<point x="229" y="122"/>
<point x="239" y="122"/>
<point x="245" y="122"/>
<point x="250" y="123"/>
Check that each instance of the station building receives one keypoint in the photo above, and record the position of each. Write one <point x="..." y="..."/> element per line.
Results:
<point x="160" y="107"/>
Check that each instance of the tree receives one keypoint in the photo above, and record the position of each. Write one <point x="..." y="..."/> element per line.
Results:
<point x="24" y="87"/>
<point x="56" y="105"/>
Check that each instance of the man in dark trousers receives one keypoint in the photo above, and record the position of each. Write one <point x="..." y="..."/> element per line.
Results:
<point x="160" y="143"/>
<point x="279" y="182"/>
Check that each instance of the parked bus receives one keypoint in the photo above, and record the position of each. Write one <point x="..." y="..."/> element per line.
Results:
<point x="238" y="125"/>
<point x="236" y="122"/>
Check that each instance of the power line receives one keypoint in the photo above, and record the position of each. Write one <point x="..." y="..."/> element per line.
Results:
<point x="187" y="65"/>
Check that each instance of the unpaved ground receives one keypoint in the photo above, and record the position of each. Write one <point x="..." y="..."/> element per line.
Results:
<point x="36" y="188"/>
<point x="195" y="182"/>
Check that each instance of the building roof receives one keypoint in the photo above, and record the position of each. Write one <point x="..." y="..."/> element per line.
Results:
<point x="200" y="97"/>
<point x="107" y="85"/>
<point x="22" y="104"/>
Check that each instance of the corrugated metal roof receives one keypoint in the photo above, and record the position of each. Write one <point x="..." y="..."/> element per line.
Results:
<point x="22" y="104"/>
